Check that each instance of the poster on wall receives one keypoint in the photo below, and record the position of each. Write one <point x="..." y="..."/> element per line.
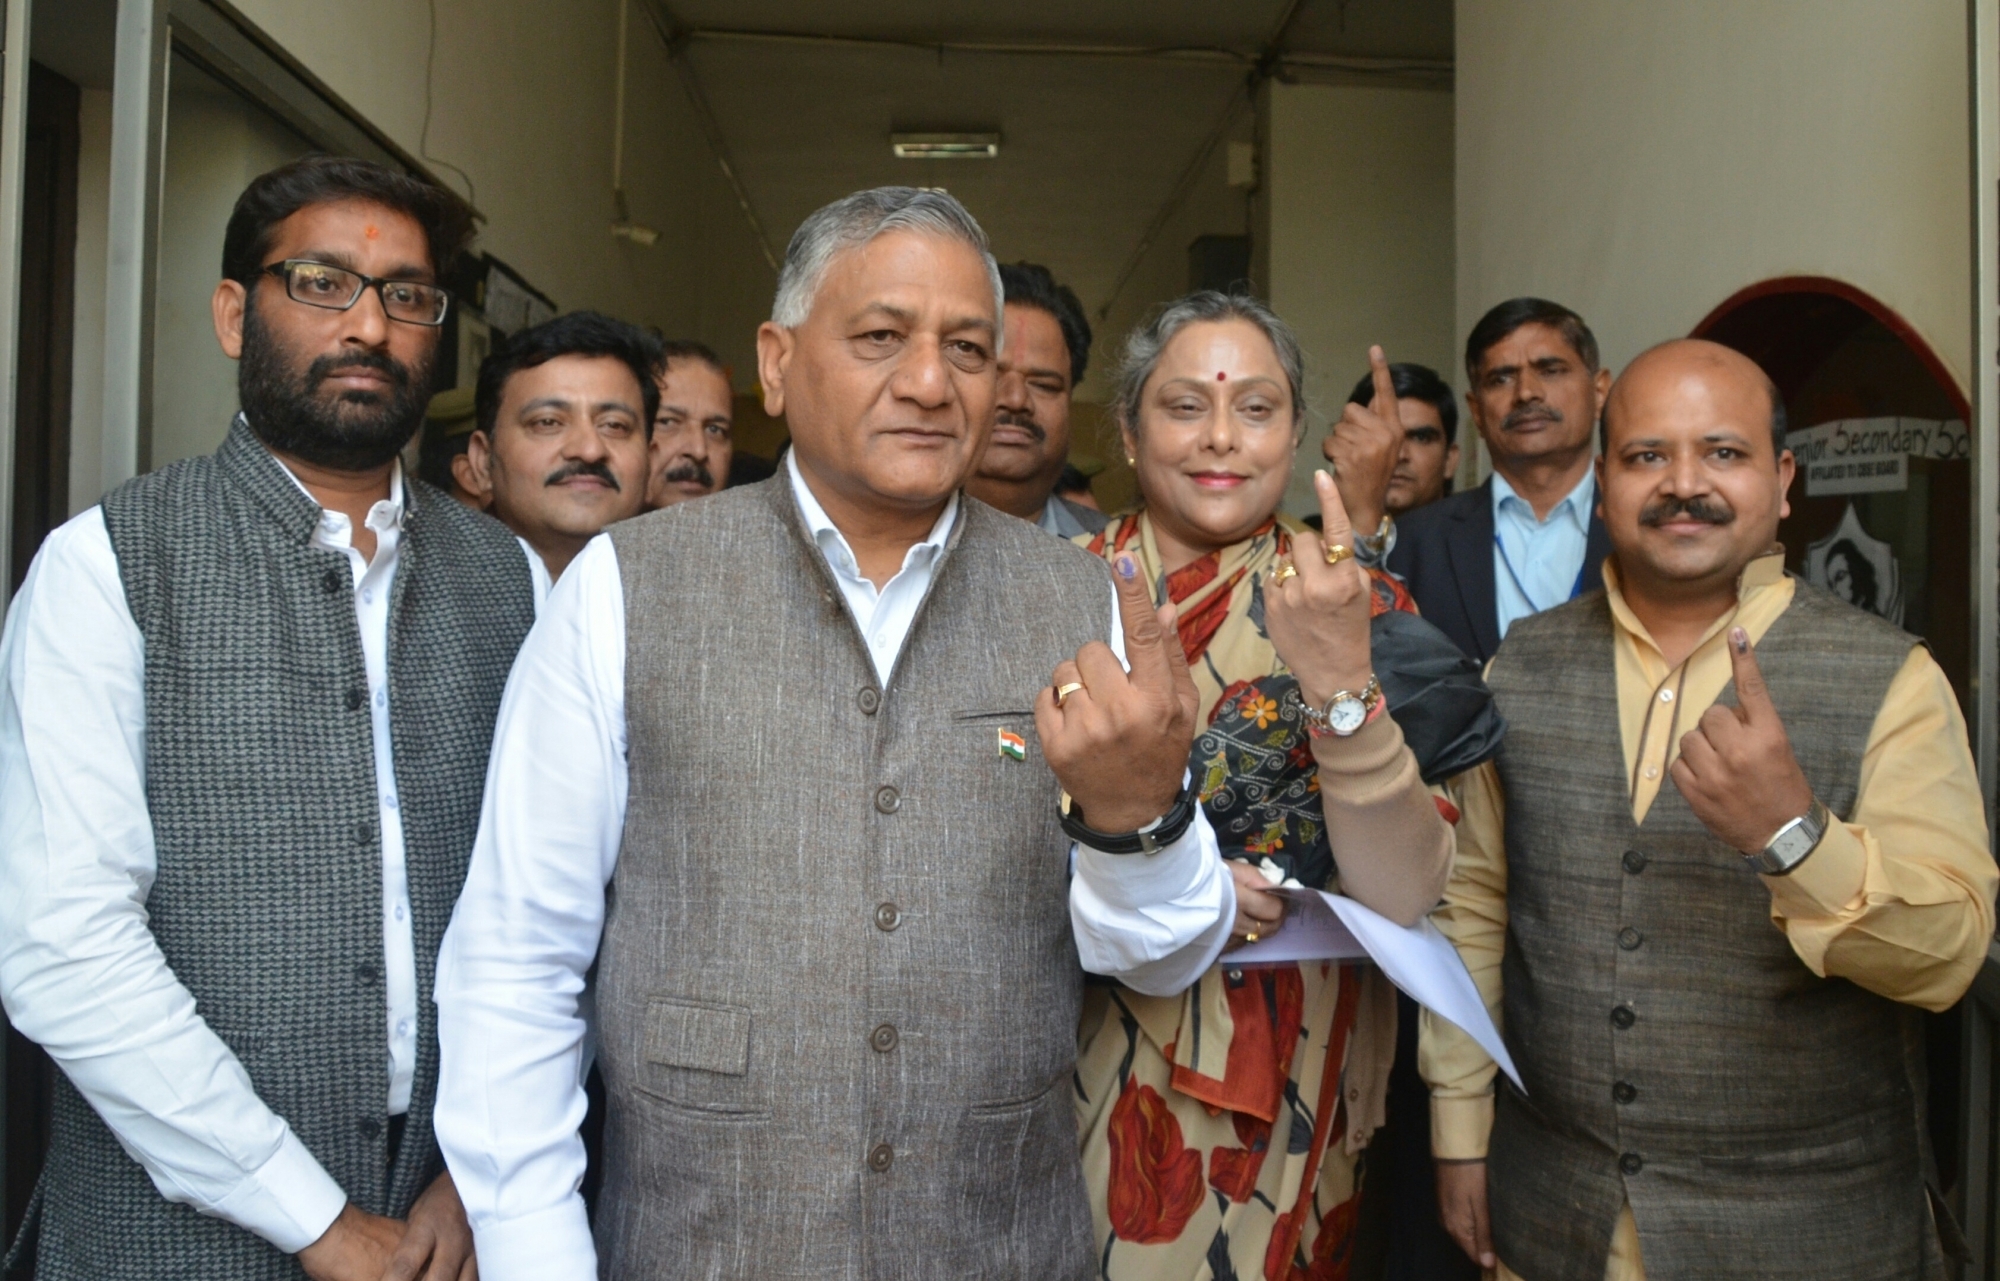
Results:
<point x="1872" y="455"/>
<point x="1857" y="568"/>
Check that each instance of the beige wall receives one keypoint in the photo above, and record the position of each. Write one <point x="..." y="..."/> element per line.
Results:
<point x="1643" y="162"/>
<point x="1359" y="237"/>
<point x="93" y="194"/>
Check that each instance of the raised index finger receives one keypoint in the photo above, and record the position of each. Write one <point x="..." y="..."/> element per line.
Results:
<point x="1753" y="697"/>
<point x="1144" y="637"/>
<point x="1384" y="403"/>
<point x="1333" y="522"/>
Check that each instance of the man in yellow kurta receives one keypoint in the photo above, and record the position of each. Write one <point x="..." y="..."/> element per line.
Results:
<point x="1709" y="981"/>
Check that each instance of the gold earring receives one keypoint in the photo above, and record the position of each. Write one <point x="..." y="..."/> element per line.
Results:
<point x="1130" y="461"/>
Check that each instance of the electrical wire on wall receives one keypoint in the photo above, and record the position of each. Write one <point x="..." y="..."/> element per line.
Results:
<point x="424" y="136"/>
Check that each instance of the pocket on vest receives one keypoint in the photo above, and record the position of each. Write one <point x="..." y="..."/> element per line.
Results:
<point x="697" y="1055"/>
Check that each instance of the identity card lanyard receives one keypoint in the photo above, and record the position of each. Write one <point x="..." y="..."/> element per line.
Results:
<point x="1576" y="588"/>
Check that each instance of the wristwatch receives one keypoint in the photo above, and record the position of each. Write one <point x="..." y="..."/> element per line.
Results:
<point x="1150" y="839"/>
<point x="1793" y="842"/>
<point x="1344" y="713"/>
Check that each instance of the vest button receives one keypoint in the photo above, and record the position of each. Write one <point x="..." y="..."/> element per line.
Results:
<point x="870" y="699"/>
<point x="883" y="1039"/>
<point x="369" y="1126"/>
<point x="355" y="699"/>
<point x="366" y="974"/>
<point x="1623" y="1016"/>
<point x="331" y="582"/>
<point x="888" y="799"/>
<point x="364" y="833"/>
<point x="1630" y="939"/>
<point x="1624" y="1092"/>
<point x="1635" y="861"/>
<point x="887" y="917"/>
<point x="1631" y="1163"/>
<point x="881" y="1157"/>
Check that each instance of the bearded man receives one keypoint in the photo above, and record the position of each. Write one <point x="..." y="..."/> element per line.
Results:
<point x="779" y="774"/>
<point x="245" y="706"/>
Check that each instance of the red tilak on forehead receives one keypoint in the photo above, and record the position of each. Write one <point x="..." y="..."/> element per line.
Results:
<point x="371" y="231"/>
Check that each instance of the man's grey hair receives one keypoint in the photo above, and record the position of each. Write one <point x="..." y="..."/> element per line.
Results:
<point x="1144" y="345"/>
<point x="853" y="221"/>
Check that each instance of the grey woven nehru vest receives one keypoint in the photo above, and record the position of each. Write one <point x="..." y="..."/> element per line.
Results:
<point x="1763" y="1122"/>
<point x="260" y="781"/>
<point x="838" y="988"/>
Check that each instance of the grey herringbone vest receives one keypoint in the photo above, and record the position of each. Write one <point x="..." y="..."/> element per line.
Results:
<point x="260" y="781"/>
<point x="838" y="988"/>
<point x="1764" y="1123"/>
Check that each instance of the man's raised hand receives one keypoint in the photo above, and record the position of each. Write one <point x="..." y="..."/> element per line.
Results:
<point x="1119" y="744"/>
<point x="1736" y="767"/>
<point x="1363" y="447"/>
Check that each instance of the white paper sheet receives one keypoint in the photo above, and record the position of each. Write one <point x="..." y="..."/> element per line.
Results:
<point x="1422" y="962"/>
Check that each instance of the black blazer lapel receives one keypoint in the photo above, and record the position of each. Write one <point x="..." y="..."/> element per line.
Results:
<point x="1596" y="546"/>
<point x="1470" y="544"/>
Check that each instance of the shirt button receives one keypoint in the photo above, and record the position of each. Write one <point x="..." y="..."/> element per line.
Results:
<point x="888" y="800"/>
<point x="887" y="917"/>
<point x="1623" y="1016"/>
<point x="369" y="1127"/>
<point x="403" y="1028"/>
<point x="389" y="801"/>
<point x="1630" y="939"/>
<point x="368" y="596"/>
<point x="1635" y="861"/>
<point x="882" y="1039"/>
<point x="355" y="698"/>
<point x="1624" y="1092"/>
<point x="870" y="700"/>
<point x="881" y="1157"/>
<point x="381" y="698"/>
<point x="401" y="911"/>
<point x="1652" y="771"/>
<point x="1666" y="696"/>
<point x="1631" y="1163"/>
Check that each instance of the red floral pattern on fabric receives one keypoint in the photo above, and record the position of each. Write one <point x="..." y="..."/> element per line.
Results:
<point x="1156" y="1183"/>
<point x="1233" y="1171"/>
<point x="1329" y="1119"/>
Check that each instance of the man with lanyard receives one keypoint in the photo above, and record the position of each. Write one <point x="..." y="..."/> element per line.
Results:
<point x="1528" y="539"/>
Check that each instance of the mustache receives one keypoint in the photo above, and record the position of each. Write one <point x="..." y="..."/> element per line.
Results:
<point x="1530" y="413"/>
<point x="329" y="366"/>
<point x="1700" y="509"/>
<point x="692" y="469"/>
<point x="1025" y="422"/>
<point x="584" y="467"/>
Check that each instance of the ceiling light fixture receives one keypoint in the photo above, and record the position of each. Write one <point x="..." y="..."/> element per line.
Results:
<point x="945" y="146"/>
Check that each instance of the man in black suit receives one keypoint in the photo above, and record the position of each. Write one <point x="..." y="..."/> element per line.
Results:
<point x="1530" y="537"/>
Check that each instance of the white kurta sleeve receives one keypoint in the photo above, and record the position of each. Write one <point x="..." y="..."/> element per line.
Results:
<point x="511" y="971"/>
<point x="1153" y="921"/>
<point x="80" y="971"/>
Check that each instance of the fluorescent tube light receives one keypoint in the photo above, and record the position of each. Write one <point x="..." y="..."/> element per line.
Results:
<point x="945" y="146"/>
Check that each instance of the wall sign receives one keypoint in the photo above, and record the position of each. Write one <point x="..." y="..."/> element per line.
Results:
<point x="1858" y="568"/>
<point x="1871" y="455"/>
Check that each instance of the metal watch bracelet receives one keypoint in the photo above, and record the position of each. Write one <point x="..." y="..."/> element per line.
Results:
<point x="1793" y="843"/>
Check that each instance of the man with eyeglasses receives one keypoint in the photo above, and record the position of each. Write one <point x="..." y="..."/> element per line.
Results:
<point x="245" y="708"/>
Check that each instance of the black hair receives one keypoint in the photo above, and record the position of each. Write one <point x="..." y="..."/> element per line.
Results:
<point x="319" y="179"/>
<point x="1415" y="382"/>
<point x="1861" y="570"/>
<point x="1033" y="285"/>
<point x="1516" y="312"/>
<point x="580" y="333"/>
<point x="673" y="349"/>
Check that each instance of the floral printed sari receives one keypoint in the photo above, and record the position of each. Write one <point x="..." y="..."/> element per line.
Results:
<point x="1222" y="1128"/>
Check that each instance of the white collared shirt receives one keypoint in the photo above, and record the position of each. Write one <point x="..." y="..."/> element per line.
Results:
<point x="80" y="971"/>
<point x="512" y="970"/>
<point x="1538" y="564"/>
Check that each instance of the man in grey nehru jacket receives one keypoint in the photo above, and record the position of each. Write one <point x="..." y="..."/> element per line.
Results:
<point x="785" y="766"/>
<point x="245" y="705"/>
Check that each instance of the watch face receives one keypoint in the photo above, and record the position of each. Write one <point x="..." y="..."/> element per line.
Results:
<point x="1346" y="714"/>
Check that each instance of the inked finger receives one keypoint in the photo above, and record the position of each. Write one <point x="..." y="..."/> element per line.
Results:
<point x="1141" y="622"/>
<point x="1753" y="696"/>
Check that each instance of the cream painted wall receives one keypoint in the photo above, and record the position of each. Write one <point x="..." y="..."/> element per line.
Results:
<point x="1643" y="162"/>
<point x="93" y="196"/>
<point x="1359" y="237"/>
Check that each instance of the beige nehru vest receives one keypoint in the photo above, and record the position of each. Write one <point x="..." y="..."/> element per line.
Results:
<point x="838" y="988"/>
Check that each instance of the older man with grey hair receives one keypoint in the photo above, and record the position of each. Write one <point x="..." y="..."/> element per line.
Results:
<point x="837" y="918"/>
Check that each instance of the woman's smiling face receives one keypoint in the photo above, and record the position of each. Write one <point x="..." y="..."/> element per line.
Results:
<point x="1216" y="432"/>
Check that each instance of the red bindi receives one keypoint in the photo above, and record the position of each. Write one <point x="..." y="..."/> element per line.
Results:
<point x="1221" y="377"/>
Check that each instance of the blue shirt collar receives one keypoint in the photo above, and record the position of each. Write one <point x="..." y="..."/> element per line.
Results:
<point x="1575" y="505"/>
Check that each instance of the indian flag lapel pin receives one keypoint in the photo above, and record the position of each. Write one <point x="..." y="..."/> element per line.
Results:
<point x="1013" y="746"/>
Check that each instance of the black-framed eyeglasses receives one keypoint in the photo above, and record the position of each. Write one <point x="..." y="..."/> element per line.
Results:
<point x="319" y="284"/>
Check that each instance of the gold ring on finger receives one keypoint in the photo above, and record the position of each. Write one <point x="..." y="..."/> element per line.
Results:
<point x="1338" y="552"/>
<point x="1284" y="573"/>
<point x="1249" y="936"/>
<point x="1064" y="691"/>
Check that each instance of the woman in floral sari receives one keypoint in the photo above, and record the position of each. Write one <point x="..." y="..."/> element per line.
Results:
<point x="1222" y="1128"/>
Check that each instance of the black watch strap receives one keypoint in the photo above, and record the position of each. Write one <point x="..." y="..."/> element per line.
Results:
<point x="1172" y="826"/>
